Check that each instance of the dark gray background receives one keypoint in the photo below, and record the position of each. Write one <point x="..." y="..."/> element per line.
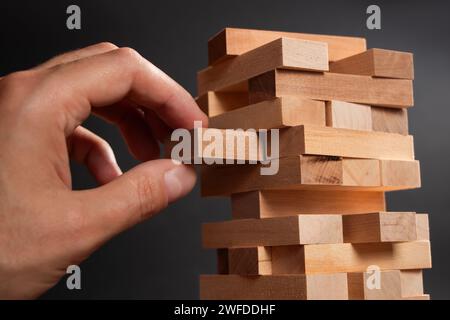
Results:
<point x="162" y="258"/>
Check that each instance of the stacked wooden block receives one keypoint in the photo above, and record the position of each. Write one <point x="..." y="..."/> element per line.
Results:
<point x="319" y="228"/>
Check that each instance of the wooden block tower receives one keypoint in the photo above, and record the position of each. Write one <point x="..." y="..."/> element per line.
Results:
<point x="318" y="229"/>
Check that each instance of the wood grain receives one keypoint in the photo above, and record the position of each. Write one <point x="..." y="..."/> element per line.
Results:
<point x="300" y="229"/>
<point x="274" y="287"/>
<point x="215" y="146"/>
<point x="346" y="257"/>
<point x="346" y="115"/>
<point x="275" y="113"/>
<point x="307" y="139"/>
<point x="380" y="227"/>
<point x="279" y="203"/>
<point x="395" y="93"/>
<point x="398" y="173"/>
<point x="411" y="283"/>
<point x="299" y="140"/>
<point x="313" y="173"/>
<point x="394" y="285"/>
<point x="377" y="63"/>
<point x="284" y="53"/>
<point x="422" y="226"/>
<point x="232" y="42"/>
<point x="390" y="120"/>
<point x="250" y="261"/>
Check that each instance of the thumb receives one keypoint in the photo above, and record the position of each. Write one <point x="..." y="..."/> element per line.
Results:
<point x="135" y="196"/>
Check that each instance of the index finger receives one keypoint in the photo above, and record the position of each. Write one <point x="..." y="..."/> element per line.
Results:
<point x="108" y="78"/>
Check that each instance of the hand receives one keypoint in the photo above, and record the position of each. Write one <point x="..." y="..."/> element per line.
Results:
<point x="44" y="225"/>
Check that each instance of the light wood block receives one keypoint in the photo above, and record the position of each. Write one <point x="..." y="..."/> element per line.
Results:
<point x="411" y="283"/>
<point x="278" y="203"/>
<point x="396" y="93"/>
<point x="354" y="116"/>
<point x="216" y="146"/>
<point x="380" y="227"/>
<point x="300" y="229"/>
<point x="215" y="103"/>
<point x="285" y="53"/>
<point x="422" y="227"/>
<point x="232" y="42"/>
<point x="347" y="257"/>
<point x="293" y="171"/>
<point x="270" y="287"/>
<point x="390" y="286"/>
<point x="275" y="113"/>
<point x="361" y="172"/>
<point x="377" y="63"/>
<point x="348" y="115"/>
<point x="390" y="120"/>
<point x="306" y="139"/>
<point x="394" y="285"/>
<point x="297" y="173"/>
<point x="398" y="173"/>
<point x="250" y="261"/>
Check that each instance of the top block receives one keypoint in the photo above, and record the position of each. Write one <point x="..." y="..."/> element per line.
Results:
<point x="232" y="42"/>
<point x="377" y="63"/>
<point x="283" y="53"/>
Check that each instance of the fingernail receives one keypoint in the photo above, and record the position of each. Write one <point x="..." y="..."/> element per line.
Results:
<point x="179" y="182"/>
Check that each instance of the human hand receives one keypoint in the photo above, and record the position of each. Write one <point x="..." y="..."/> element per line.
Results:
<point x="45" y="226"/>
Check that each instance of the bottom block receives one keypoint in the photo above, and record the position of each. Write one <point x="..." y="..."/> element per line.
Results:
<point x="274" y="287"/>
<point x="385" y="285"/>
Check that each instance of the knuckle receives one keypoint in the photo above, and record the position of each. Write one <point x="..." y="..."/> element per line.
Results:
<point x="106" y="45"/>
<point x="18" y="79"/>
<point x="128" y="54"/>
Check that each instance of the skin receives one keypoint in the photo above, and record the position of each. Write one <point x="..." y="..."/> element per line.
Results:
<point x="45" y="226"/>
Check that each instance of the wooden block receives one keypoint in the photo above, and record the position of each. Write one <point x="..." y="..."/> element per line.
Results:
<point x="285" y="53"/>
<point x="411" y="283"/>
<point x="423" y="230"/>
<point x="394" y="285"/>
<point x="380" y="227"/>
<point x="361" y="172"/>
<point x="250" y="261"/>
<point x="275" y="113"/>
<point x="347" y="257"/>
<point x="216" y="146"/>
<point x="377" y="63"/>
<point x="396" y="93"/>
<point x="398" y="173"/>
<point x="306" y="139"/>
<point x="390" y="286"/>
<point x="215" y="103"/>
<point x="222" y="261"/>
<point x="279" y="203"/>
<point x="270" y="287"/>
<point x="390" y="120"/>
<point x="300" y="229"/>
<point x="295" y="173"/>
<point x="348" y="115"/>
<point x="232" y="42"/>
